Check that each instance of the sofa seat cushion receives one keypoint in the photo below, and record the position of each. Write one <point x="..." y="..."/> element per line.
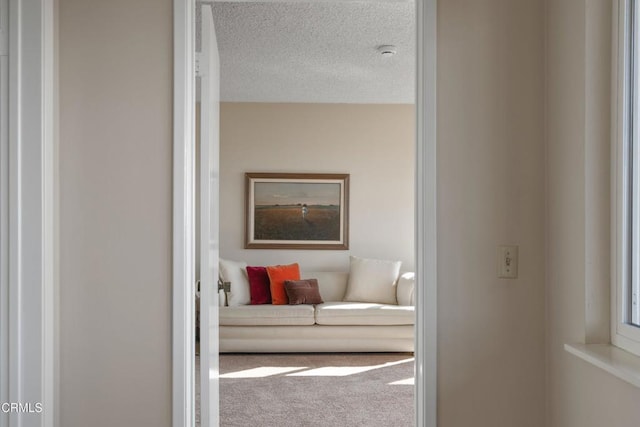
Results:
<point x="267" y="315"/>
<point x="359" y="313"/>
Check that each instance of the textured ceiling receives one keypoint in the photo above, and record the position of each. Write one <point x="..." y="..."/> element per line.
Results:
<point x="320" y="52"/>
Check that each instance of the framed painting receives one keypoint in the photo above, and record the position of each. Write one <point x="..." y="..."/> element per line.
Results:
<point x="296" y="211"/>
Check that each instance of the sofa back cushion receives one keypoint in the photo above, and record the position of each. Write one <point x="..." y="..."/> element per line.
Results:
<point x="332" y="285"/>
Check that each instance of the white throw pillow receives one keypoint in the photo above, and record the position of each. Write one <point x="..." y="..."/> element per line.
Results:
<point x="372" y="280"/>
<point x="236" y="273"/>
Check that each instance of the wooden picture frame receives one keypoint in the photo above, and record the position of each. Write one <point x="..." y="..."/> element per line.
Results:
<point x="296" y="211"/>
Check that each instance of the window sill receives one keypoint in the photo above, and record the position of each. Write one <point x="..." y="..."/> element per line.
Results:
<point x="614" y="360"/>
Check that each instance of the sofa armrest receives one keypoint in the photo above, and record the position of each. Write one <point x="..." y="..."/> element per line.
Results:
<point x="405" y="289"/>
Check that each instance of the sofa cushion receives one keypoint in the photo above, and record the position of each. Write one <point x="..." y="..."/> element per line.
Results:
<point x="372" y="280"/>
<point x="277" y="275"/>
<point x="267" y="315"/>
<point x="259" y="285"/>
<point x="303" y="291"/>
<point x="316" y="339"/>
<point x="405" y="291"/>
<point x="332" y="284"/>
<point x="357" y="313"/>
<point x="236" y="274"/>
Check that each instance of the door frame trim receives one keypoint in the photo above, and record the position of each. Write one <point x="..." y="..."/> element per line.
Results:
<point x="183" y="316"/>
<point x="426" y="221"/>
<point x="28" y="251"/>
<point x="426" y="348"/>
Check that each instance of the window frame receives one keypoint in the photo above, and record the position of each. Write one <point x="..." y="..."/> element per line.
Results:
<point x="626" y="125"/>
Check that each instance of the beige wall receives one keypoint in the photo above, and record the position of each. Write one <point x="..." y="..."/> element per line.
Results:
<point x="578" y="125"/>
<point x="373" y="143"/>
<point x="491" y="173"/>
<point x="115" y="207"/>
<point x="115" y="212"/>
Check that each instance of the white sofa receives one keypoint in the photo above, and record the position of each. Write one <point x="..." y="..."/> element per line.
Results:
<point x="334" y="326"/>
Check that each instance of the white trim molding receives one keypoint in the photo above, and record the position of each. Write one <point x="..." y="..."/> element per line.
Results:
<point x="183" y="213"/>
<point x="29" y="216"/>
<point x="426" y="222"/>
<point x="625" y="124"/>
<point x="4" y="207"/>
<point x="609" y="358"/>
<point x="4" y="27"/>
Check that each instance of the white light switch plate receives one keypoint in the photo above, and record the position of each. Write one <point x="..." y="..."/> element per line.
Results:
<point x="507" y="262"/>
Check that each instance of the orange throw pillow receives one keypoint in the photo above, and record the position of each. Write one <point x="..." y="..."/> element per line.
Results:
<point x="277" y="276"/>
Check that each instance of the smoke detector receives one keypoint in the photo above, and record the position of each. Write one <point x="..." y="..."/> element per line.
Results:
<point x="387" y="50"/>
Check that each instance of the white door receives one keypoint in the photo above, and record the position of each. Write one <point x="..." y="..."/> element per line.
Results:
<point x="209" y="72"/>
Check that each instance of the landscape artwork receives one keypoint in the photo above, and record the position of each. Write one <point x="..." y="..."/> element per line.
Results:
<point x="297" y="211"/>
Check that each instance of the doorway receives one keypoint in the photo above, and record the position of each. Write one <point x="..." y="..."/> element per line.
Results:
<point x="425" y="214"/>
<point x="303" y="92"/>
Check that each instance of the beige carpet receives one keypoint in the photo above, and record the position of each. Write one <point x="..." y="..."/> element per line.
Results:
<point x="324" y="390"/>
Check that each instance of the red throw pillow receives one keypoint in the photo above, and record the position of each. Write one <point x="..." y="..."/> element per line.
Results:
<point x="277" y="275"/>
<point x="259" y="285"/>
